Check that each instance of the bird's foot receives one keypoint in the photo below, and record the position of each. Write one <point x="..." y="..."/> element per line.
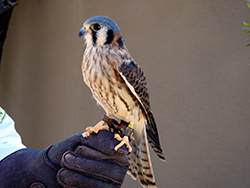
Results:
<point x="124" y="140"/>
<point x="99" y="126"/>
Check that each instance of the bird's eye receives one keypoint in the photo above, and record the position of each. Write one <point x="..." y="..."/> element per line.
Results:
<point x="96" y="27"/>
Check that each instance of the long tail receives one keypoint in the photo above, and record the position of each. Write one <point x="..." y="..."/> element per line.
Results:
<point x="140" y="163"/>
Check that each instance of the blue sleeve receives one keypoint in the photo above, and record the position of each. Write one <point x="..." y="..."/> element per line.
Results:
<point x="10" y="140"/>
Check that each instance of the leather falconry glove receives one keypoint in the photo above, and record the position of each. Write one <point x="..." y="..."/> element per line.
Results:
<point x="74" y="162"/>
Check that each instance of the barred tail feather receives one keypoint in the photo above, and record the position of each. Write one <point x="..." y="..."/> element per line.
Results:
<point x="132" y="170"/>
<point x="140" y="163"/>
<point x="157" y="150"/>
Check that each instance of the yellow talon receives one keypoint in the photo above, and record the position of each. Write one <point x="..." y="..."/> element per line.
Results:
<point x="118" y="137"/>
<point x="99" y="126"/>
<point x="123" y="140"/>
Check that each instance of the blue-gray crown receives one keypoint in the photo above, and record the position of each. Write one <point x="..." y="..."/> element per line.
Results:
<point x="105" y="20"/>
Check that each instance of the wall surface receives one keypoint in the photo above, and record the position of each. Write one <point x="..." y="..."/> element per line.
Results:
<point x="196" y="61"/>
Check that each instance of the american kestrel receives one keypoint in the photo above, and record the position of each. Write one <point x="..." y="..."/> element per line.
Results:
<point x="118" y="85"/>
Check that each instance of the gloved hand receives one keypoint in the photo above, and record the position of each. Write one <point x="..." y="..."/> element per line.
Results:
<point x="74" y="162"/>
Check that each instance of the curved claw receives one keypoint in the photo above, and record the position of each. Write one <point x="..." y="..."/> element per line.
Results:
<point x="99" y="126"/>
<point x="124" y="140"/>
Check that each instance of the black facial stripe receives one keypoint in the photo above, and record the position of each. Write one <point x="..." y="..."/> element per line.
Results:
<point x="110" y="37"/>
<point x="119" y="41"/>
<point x="93" y="36"/>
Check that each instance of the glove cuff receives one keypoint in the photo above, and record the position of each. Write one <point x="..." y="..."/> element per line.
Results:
<point x="49" y="162"/>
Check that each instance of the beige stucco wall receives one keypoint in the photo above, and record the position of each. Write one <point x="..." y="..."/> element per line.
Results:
<point x="195" y="58"/>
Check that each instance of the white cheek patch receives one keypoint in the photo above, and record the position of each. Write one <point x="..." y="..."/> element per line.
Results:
<point x="101" y="36"/>
<point x="88" y="39"/>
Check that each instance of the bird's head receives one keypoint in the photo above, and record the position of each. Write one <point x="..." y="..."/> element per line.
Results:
<point x="101" y="30"/>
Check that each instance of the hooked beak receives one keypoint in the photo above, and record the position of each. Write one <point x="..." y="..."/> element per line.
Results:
<point x="82" y="32"/>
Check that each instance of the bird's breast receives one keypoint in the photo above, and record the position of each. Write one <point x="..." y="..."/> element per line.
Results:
<point x="107" y="86"/>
